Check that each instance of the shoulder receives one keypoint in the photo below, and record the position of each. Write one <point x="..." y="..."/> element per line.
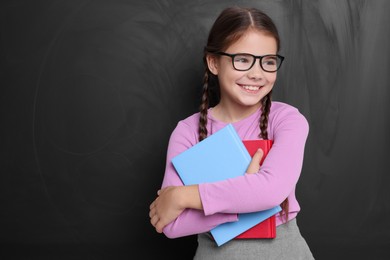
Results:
<point x="280" y="109"/>
<point x="189" y="123"/>
<point x="186" y="130"/>
<point x="282" y="114"/>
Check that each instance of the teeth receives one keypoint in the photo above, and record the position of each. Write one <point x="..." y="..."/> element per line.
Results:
<point x="251" y="87"/>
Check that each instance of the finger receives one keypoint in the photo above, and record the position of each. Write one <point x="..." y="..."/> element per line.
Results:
<point x="152" y="212"/>
<point x="154" y="219"/>
<point x="254" y="165"/>
<point x="152" y="205"/>
<point x="158" y="192"/>
<point x="159" y="227"/>
<point x="258" y="155"/>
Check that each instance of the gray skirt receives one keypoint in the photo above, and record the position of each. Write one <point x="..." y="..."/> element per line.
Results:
<point x="288" y="245"/>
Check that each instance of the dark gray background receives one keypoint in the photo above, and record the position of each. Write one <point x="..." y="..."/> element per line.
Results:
<point x="91" y="90"/>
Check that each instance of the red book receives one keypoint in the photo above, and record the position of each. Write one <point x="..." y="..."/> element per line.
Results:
<point x="267" y="228"/>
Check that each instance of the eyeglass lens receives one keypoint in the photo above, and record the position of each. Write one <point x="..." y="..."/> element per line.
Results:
<point x="245" y="62"/>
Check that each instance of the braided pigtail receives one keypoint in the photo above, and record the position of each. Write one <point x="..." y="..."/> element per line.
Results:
<point x="284" y="205"/>
<point x="266" y="107"/>
<point x="204" y="105"/>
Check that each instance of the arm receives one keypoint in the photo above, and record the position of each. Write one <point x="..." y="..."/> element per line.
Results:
<point x="178" y="211"/>
<point x="252" y="192"/>
<point x="172" y="200"/>
<point x="276" y="179"/>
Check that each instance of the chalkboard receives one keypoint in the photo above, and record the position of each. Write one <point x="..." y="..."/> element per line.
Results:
<point x="91" y="90"/>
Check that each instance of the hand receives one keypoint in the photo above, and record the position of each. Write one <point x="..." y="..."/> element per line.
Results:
<point x="254" y="166"/>
<point x="165" y="208"/>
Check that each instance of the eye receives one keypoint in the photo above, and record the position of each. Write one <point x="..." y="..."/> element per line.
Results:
<point x="243" y="59"/>
<point x="270" y="61"/>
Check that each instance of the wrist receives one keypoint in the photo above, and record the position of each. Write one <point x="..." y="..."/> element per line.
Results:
<point x="190" y="197"/>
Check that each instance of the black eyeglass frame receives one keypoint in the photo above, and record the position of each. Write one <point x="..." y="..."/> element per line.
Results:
<point x="254" y="60"/>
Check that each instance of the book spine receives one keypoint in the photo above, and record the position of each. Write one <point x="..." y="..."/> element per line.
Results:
<point x="239" y="143"/>
<point x="269" y="144"/>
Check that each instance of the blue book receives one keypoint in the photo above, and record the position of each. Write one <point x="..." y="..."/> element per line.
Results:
<point x="220" y="156"/>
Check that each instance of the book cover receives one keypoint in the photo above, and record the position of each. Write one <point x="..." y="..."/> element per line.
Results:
<point x="266" y="228"/>
<point x="220" y="156"/>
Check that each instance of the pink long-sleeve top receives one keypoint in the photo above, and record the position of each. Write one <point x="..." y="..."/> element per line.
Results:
<point x="276" y="179"/>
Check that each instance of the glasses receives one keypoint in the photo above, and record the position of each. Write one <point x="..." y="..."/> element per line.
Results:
<point x="245" y="61"/>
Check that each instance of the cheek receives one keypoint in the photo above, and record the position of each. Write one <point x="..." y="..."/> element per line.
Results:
<point x="230" y="76"/>
<point x="271" y="78"/>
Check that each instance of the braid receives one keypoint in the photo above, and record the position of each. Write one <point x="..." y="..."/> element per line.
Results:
<point x="266" y="107"/>
<point x="204" y="107"/>
<point x="284" y="205"/>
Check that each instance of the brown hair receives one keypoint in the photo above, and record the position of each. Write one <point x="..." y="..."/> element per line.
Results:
<point x="230" y="25"/>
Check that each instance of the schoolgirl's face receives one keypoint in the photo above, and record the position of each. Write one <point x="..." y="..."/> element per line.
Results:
<point x="244" y="88"/>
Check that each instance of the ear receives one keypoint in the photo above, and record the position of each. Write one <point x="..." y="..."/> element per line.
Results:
<point x="212" y="63"/>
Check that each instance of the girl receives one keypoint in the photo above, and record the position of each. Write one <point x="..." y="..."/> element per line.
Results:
<point x="241" y="59"/>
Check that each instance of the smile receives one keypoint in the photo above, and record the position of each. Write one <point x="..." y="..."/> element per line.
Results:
<point x="250" y="87"/>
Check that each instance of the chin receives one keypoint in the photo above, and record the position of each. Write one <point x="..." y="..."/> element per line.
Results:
<point x="251" y="103"/>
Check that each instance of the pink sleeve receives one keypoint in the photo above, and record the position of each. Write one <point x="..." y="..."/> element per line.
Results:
<point x="276" y="178"/>
<point x="191" y="221"/>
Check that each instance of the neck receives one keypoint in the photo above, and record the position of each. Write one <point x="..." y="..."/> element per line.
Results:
<point x="231" y="114"/>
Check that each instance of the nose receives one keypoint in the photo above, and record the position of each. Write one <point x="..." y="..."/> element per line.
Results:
<point x="256" y="72"/>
